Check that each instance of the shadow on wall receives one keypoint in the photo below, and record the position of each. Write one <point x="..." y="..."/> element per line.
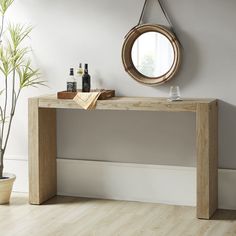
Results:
<point x="227" y="135"/>
<point x="129" y="137"/>
<point x="187" y="72"/>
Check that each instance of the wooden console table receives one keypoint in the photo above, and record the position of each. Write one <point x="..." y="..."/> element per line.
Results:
<point x="42" y="143"/>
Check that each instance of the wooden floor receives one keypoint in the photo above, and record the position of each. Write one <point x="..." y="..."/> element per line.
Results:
<point x="88" y="217"/>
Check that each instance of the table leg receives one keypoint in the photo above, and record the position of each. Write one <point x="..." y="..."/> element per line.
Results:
<point x="42" y="152"/>
<point x="207" y="160"/>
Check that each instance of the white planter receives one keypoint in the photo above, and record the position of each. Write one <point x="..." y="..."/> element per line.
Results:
<point x="6" y="187"/>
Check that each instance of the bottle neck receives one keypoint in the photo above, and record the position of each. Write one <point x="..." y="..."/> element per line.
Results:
<point x="86" y="68"/>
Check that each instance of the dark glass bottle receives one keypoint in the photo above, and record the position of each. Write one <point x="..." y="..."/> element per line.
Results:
<point x="71" y="82"/>
<point x="86" y="80"/>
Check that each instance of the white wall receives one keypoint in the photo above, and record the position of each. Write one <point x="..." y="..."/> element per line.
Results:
<point x="69" y="32"/>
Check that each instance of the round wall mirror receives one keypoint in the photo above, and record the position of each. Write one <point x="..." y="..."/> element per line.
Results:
<point x="151" y="54"/>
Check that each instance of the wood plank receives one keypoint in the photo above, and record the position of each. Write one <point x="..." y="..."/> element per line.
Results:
<point x="207" y="159"/>
<point x="47" y="153"/>
<point x="42" y="152"/>
<point x="128" y="103"/>
<point x="71" y="216"/>
<point x="33" y="149"/>
<point x="213" y="157"/>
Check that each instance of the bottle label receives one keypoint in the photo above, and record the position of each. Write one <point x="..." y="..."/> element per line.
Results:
<point x="86" y="83"/>
<point x="86" y="87"/>
<point x="71" y="86"/>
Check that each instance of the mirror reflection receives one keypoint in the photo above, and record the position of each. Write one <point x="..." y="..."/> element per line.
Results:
<point x="152" y="54"/>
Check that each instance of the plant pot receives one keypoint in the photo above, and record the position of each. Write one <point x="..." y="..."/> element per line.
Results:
<point x="6" y="187"/>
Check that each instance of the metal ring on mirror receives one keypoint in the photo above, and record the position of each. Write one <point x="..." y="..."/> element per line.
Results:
<point x="129" y="66"/>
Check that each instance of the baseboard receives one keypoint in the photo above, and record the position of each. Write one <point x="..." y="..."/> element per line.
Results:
<point x="134" y="182"/>
<point x="137" y="182"/>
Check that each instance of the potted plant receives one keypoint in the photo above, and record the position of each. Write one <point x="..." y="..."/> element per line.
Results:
<point x="16" y="74"/>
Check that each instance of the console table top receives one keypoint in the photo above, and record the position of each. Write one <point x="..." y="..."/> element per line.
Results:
<point x="128" y="103"/>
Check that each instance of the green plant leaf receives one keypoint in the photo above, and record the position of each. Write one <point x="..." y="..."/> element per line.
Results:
<point x="4" y="5"/>
<point x="5" y="61"/>
<point x="28" y="76"/>
<point x="18" y="33"/>
<point x="17" y="55"/>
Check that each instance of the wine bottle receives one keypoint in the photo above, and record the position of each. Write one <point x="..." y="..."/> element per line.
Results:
<point x="71" y="82"/>
<point x="79" y="75"/>
<point x="86" y="80"/>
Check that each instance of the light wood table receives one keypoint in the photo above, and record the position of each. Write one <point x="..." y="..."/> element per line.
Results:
<point x="42" y="142"/>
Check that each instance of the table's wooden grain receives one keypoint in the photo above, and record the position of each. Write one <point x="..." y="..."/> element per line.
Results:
<point x="128" y="103"/>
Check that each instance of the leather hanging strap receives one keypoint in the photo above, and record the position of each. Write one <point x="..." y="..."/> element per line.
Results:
<point x="163" y="10"/>
<point x="169" y="21"/>
<point x="142" y="14"/>
<point x="166" y="15"/>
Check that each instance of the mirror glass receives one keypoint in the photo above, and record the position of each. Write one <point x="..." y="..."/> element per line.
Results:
<point x="152" y="54"/>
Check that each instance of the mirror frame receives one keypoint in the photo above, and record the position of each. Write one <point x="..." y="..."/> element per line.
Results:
<point x="130" y="39"/>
